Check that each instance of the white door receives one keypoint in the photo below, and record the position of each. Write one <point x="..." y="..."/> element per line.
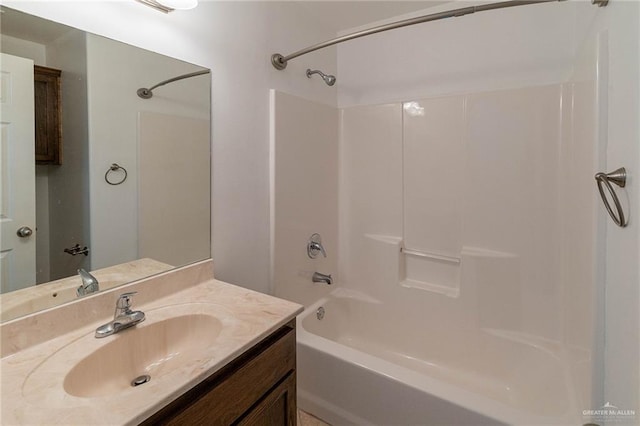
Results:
<point x="17" y="174"/>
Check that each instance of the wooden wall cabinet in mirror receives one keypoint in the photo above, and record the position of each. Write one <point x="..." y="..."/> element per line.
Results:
<point x="48" y="113"/>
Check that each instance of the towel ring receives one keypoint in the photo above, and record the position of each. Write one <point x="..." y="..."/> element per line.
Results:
<point x="114" y="168"/>
<point x="619" y="177"/>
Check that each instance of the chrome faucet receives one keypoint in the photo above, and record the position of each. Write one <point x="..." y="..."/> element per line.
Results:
<point x="322" y="278"/>
<point x="123" y="317"/>
<point x="89" y="283"/>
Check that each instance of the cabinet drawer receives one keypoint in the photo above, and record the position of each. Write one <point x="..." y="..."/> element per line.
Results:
<point x="230" y="393"/>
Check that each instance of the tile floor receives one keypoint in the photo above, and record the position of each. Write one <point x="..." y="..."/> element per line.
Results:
<point x="306" y="419"/>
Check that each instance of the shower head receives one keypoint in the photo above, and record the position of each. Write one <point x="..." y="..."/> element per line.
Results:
<point x="329" y="79"/>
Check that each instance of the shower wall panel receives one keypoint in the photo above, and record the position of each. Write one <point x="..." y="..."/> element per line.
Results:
<point x="472" y="178"/>
<point x="370" y="200"/>
<point x="433" y="173"/>
<point x="433" y="170"/>
<point x="511" y="194"/>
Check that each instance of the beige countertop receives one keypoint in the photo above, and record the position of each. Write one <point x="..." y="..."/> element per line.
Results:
<point x="34" y="367"/>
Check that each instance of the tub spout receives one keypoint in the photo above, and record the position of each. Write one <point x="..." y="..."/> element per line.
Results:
<point x="322" y="278"/>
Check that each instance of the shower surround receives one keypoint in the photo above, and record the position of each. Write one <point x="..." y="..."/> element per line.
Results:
<point x="458" y="261"/>
<point x="461" y="231"/>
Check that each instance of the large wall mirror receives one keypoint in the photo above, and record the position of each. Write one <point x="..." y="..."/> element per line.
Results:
<point x="95" y="176"/>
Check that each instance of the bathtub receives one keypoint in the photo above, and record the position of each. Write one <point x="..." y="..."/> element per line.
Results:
<point x="356" y="367"/>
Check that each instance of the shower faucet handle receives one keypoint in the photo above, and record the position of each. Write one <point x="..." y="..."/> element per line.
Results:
<point x="314" y="246"/>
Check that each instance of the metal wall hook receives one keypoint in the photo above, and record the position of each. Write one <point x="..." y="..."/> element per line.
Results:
<point x="618" y="177"/>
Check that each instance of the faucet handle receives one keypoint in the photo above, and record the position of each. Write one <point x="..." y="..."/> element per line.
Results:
<point x="314" y="246"/>
<point x="124" y="301"/>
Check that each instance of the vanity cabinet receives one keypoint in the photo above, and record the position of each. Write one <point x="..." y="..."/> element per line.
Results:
<point x="257" y="388"/>
<point x="48" y="115"/>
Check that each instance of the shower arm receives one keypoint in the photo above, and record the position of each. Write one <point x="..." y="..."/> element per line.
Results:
<point x="280" y="62"/>
<point x="147" y="93"/>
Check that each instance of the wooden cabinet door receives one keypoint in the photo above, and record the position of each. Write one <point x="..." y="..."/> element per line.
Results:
<point x="48" y="115"/>
<point x="277" y="408"/>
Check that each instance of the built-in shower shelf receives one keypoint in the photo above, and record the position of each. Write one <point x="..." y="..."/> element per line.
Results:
<point x="432" y="256"/>
<point x="434" y="272"/>
<point x="432" y="287"/>
<point x="415" y="269"/>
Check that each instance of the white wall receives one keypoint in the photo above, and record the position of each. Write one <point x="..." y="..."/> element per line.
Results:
<point x="611" y="39"/>
<point x="24" y="48"/>
<point x="622" y="304"/>
<point x="304" y="195"/>
<point x="235" y="40"/>
<point x="43" y="263"/>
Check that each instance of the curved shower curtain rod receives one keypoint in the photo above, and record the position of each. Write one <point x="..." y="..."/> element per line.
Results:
<point x="280" y="62"/>
<point x="145" y="93"/>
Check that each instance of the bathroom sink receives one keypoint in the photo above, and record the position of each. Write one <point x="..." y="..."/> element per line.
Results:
<point x="172" y="343"/>
<point x="142" y="354"/>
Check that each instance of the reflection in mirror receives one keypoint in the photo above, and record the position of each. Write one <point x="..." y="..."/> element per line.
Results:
<point x="95" y="177"/>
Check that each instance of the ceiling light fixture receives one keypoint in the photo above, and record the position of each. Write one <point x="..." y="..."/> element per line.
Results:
<point x="167" y="6"/>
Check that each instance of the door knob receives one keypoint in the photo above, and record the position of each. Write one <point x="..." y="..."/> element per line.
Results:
<point x="24" y="232"/>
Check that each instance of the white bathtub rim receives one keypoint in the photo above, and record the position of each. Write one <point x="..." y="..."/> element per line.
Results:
<point x="472" y="401"/>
